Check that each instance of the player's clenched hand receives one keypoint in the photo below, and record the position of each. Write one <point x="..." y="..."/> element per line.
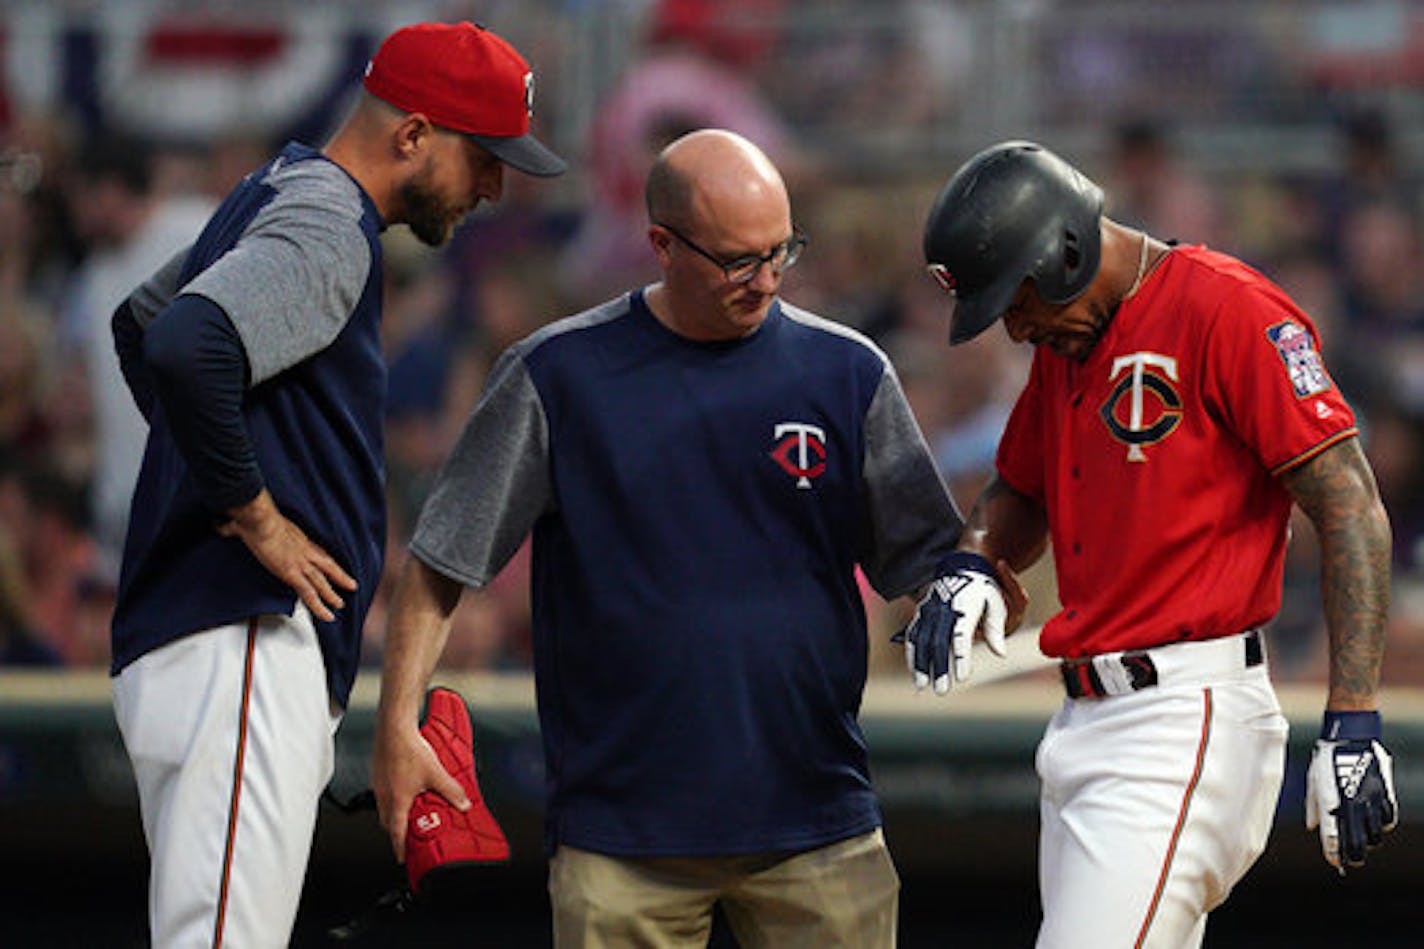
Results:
<point x="966" y="599"/>
<point x="1015" y="596"/>
<point x="1349" y="792"/>
<point x="402" y="766"/>
<point x="289" y="555"/>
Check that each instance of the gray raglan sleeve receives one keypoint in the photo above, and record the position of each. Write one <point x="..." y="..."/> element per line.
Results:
<point x="157" y="291"/>
<point x="292" y="280"/>
<point x="914" y="522"/>
<point x="494" y="485"/>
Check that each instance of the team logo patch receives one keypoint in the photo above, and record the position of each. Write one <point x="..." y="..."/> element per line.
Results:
<point x="1297" y="351"/>
<point x="800" y="451"/>
<point x="943" y="277"/>
<point x="1144" y="407"/>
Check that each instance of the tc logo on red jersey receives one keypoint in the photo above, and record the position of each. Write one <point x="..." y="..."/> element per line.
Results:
<point x="1297" y="350"/>
<point x="800" y="451"/>
<point x="1144" y="407"/>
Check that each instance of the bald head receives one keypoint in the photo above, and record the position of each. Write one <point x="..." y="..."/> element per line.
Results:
<point x="720" y="226"/>
<point x="710" y="175"/>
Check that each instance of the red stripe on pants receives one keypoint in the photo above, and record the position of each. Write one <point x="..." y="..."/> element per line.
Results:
<point x="1181" y="818"/>
<point x="237" y="764"/>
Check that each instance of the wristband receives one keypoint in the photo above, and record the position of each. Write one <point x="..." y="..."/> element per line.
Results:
<point x="1347" y="726"/>
<point x="966" y="560"/>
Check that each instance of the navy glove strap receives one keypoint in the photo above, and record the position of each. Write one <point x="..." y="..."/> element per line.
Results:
<point x="1350" y="726"/>
<point x="966" y="560"/>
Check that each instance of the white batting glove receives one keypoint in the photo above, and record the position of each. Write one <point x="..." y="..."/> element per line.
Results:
<point x="939" y="639"/>
<point x="1349" y="789"/>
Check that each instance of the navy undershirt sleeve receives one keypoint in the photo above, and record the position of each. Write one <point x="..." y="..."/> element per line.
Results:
<point x="128" y="344"/>
<point x="199" y="373"/>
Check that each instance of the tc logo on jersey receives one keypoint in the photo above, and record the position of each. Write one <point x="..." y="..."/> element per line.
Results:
<point x="1144" y="407"/>
<point x="1307" y="373"/>
<point x="428" y="823"/>
<point x="800" y="451"/>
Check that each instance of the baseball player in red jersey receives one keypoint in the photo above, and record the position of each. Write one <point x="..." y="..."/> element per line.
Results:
<point x="1176" y="409"/>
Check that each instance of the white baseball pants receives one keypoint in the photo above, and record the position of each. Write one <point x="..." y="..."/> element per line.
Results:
<point x="1153" y="805"/>
<point x="231" y="736"/>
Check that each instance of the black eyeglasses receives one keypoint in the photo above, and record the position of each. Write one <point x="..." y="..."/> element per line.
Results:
<point x="744" y="269"/>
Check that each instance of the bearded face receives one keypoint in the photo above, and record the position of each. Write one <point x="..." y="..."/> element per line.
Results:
<point x="428" y="215"/>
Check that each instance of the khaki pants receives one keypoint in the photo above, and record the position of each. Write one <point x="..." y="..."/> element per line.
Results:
<point x="845" y="894"/>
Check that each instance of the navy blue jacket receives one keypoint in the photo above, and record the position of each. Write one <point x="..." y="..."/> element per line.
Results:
<point x="292" y="259"/>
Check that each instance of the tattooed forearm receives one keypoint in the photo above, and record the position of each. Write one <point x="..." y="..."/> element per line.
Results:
<point x="1337" y="491"/>
<point x="1006" y="524"/>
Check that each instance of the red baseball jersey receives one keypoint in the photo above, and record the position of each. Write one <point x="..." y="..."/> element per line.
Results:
<point x="1157" y="458"/>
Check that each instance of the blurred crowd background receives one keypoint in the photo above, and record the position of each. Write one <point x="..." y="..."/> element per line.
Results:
<point x="1287" y="133"/>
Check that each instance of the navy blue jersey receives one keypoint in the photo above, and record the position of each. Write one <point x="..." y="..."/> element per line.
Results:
<point x="293" y="259"/>
<point x="698" y="511"/>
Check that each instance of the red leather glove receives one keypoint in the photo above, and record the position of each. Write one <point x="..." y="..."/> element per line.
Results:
<point x="439" y="836"/>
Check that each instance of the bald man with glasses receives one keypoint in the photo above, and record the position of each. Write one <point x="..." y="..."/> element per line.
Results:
<point x="703" y="466"/>
<point x="744" y="269"/>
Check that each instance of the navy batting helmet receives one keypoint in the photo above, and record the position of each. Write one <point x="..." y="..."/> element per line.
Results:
<point x="1014" y="211"/>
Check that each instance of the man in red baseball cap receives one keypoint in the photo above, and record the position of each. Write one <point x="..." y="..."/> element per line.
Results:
<point x="256" y="355"/>
<point x="446" y="107"/>
<point x="464" y="78"/>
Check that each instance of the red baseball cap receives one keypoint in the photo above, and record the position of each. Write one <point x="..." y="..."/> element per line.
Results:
<point x="464" y="78"/>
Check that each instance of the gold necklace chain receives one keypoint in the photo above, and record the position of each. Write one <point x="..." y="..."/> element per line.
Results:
<point x="1141" y="270"/>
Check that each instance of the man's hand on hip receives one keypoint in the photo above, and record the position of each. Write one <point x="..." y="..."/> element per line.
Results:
<point x="289" y="555"/>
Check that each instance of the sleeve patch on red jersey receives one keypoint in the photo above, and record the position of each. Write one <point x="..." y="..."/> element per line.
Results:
<point x="1297" y="350"/>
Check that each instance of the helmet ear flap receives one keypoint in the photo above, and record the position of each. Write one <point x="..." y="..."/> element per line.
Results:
<point x="1065" y="268"/>
<point x="1072" y="255"/>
